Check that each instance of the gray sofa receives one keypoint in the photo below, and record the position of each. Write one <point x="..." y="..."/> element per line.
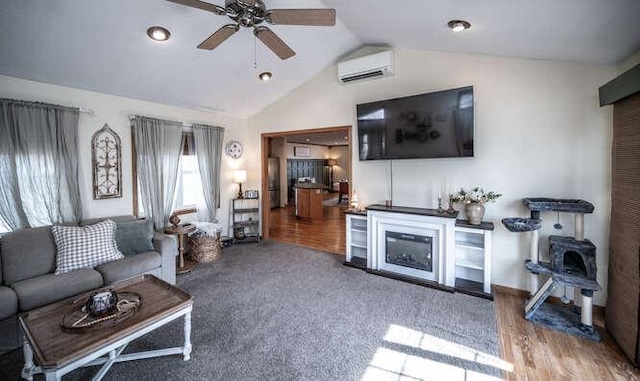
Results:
<point x="28" y="263"/>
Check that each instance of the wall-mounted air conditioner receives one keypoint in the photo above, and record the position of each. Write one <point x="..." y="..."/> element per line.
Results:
<point x="369" y="66"/>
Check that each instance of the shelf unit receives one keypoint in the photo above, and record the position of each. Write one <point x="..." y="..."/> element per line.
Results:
<point x="356" y="238"/>
<point x="245" y="220"/>
<point x="473" y="257"/>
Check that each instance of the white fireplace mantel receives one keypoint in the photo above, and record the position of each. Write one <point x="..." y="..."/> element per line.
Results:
<point x="428" y="222"/>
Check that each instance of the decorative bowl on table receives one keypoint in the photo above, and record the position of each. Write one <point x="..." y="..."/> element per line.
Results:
<point x="79" y="319"/>
<point x="101" y="303"/>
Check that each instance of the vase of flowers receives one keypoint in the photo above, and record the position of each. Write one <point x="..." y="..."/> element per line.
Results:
<point x="474" y="201"/>
<point x="475" y="212"/>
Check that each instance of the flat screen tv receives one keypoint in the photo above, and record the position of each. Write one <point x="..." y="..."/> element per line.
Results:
<point x="431" y="125"/>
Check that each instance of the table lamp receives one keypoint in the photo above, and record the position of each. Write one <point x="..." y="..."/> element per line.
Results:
<point x="240" y="176"/>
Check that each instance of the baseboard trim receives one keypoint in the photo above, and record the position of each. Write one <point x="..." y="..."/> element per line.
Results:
<point x="355" y="265"/>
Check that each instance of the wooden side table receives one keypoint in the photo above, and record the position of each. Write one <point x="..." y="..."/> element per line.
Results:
<point x="184" y="265"/>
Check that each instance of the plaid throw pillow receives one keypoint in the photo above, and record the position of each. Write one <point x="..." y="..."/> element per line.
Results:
<point x="85" y="247"/>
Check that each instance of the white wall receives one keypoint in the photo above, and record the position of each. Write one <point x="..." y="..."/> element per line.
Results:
<point x="115" y="111"/>
<point x="538" y="132"/>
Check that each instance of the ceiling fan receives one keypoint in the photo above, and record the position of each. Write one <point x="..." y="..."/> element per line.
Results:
<point x="252" y="13"/>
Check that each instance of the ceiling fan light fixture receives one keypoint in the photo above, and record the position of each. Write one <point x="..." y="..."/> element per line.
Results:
<point x="265" y="76"/>
<point x="253" y="14"/>
<point x="158" y="33"/>
<point x="459" y="25"/>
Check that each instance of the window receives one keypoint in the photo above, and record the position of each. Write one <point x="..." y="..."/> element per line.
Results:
<point x="188" y="185"/>
<point x="3" y="227"/>
<point x="189" y="193"/>
<point x="188" y="196"/>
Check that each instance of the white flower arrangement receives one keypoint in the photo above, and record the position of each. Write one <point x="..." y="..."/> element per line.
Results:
<point x="477" y="194"/>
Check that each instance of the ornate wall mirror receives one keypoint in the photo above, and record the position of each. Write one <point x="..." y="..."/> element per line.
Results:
<point x="106" y="158"/>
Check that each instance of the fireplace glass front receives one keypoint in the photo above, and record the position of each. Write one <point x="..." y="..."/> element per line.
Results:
<point x="409" y="250"/>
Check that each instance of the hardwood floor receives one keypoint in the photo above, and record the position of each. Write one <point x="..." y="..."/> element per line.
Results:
<point x="326" y="235"/>
<point x="536" y="353"/>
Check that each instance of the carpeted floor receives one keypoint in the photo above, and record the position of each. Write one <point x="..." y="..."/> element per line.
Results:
<point x="279" y="312"/>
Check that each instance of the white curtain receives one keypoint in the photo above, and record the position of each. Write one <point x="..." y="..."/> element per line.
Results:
<point x="38" y="164"/>
<point x="158" y="148"/>
<point x="208" y="146"/>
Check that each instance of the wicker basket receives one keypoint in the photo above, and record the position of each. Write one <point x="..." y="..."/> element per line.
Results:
<point x="204" y="248"/>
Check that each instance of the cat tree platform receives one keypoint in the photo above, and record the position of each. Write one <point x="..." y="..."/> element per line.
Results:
<point x="573" y="263"/>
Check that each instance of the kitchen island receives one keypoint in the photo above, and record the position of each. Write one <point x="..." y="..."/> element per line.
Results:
<point x="308" y="199"/>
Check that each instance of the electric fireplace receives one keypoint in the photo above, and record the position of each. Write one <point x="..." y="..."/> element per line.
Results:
<point x="412" y="243"/>
<point x="409" y="250"/>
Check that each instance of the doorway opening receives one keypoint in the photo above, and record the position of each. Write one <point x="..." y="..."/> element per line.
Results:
<point x="306" y="177"/>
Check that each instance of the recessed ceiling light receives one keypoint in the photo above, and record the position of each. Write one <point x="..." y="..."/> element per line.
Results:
<point x="458" y="25"/>
<point x="265" y="76"/>
<point x="158" y="33"/>
<point x="346" y="138"/>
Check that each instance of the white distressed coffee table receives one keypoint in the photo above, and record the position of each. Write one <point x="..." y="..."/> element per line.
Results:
<point x="57" y="352"/>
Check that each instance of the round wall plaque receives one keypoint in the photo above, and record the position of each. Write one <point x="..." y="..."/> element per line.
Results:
<point x="234" y="149"/>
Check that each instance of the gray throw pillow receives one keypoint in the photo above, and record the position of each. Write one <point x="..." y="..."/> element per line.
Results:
<point x="84" y="247"/>
<point x="133" y="237"/>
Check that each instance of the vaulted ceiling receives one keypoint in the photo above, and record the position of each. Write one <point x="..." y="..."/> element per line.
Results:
<point x="103" y="46"/>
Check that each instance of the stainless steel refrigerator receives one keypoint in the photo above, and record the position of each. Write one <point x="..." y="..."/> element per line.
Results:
<point x="274" y="182"/>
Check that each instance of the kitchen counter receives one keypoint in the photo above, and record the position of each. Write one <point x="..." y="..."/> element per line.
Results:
<point x="311" y="186"/>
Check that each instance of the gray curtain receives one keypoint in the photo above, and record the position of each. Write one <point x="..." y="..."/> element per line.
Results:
<point x="38" y="164"/>
<point x="158" y="148"/>
<point x="208" y="147"/>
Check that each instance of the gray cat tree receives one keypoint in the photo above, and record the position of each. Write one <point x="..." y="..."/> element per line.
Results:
<point x="572" y="263"/>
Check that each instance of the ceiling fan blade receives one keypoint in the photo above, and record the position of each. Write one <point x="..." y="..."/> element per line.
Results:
<point x="317" y="17"/>
<point x="273" y="42"/>
<point x="201" y="5"/>
<point x="219" y="36"/>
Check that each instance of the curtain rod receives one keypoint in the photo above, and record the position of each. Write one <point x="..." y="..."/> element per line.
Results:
<point x="83" y="110"/>
<point x="184" y="124"/>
